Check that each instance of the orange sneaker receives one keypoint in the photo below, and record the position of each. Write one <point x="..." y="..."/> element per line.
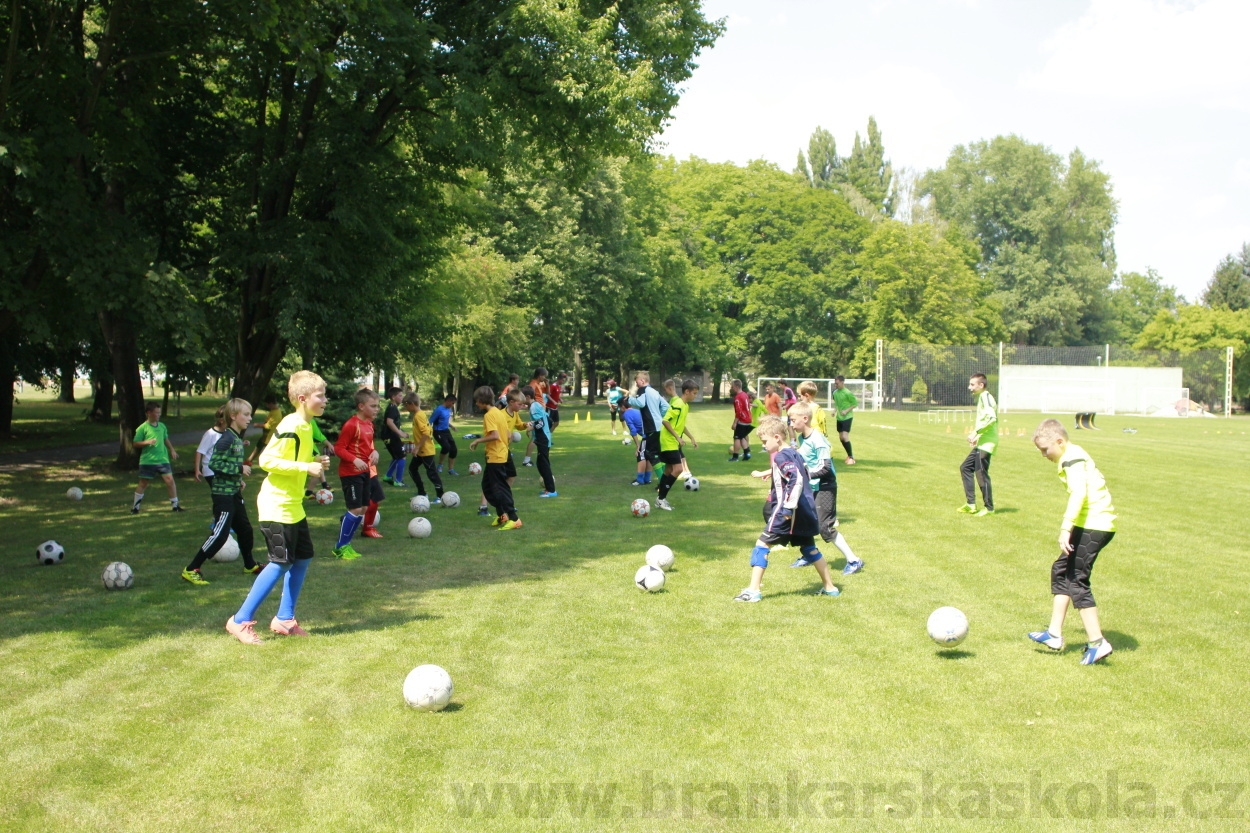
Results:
<point x="288" y="627"/>
<point x="370" y="532"/>
<point x="243" y="632"/>
<point x="511" y="525"/>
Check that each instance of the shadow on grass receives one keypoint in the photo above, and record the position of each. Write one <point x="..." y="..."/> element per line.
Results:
<point x="955" y="653"/>
<point x="1121" y="641"/>
<point x="860" y="465"/>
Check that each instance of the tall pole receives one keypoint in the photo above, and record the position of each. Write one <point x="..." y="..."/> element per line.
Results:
<point x="877" y="394"/>
<point x="1228" y="382"/>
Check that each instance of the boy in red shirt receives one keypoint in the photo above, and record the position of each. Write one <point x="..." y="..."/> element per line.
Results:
<point x="358" y="461"/>
<point x="743" y="422"/>
<point x="553" y="400"/>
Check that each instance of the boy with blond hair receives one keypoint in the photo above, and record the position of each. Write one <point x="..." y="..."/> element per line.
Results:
<point x="280" y="511"/>
<point x="813" y="447"/>
<point x="807" y="394"/>
<point x="1088" y="526"/>
<point x="423" y="448"/>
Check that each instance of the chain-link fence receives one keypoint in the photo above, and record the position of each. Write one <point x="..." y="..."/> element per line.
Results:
<point x="1101" y="379"/>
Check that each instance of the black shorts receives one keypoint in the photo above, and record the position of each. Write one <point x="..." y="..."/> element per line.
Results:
<point x="844" y="425"/>
<point x="651" y="447"/>
<point x="671" y="458"/>
<point x="446" y="442"/>
<point x="741" y="432"/>
<point x="287" y="542"/>
<point x="395" y="447"/>
<point x="773" y="539"/>
<point x="1069" y="576"/>
<point x="361" y="489"/>
<point x="510" y="466"/>
<point x="553" y="416"/>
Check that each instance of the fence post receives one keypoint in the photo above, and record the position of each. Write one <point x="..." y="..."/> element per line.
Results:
<point x="1001" y="406"/>
<point x="1228" y="382"/>
<point x="878" y="393"/>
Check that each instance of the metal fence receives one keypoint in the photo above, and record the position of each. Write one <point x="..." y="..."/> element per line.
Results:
<point x="931" y="376"/>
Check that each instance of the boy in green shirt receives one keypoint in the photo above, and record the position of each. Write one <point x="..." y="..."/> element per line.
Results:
<point x="153" y="437"/>
<point x="844" y="404"/>
<point x="984" y="439"/>
<point x="671" y="440"/>
<point x="1088" y="526"/>
<point x="290" y="459"/>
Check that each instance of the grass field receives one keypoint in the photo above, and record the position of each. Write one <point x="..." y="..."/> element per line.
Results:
<point x="584" y="704"/>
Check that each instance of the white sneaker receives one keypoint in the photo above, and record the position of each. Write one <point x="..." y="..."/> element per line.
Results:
<point x="614" y="433"/>
<point x="685" y="475"/>
<point x="664" y="504"/>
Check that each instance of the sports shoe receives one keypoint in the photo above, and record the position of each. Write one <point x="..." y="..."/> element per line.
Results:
<point x="309" y="494"/>
<point x="968" y="509"/>
<point x="664" y="504"/>
<point x="746" y="456"/>
<point x="288" y="627"/>
<point x="399" y="484"/>
<point x="733" y="459"/>
<point x="194" y="577"/>
<point x="833" y="594"/>
<point x="438" y="501"/>
<point x="802" y="561"/>
<point x="985" y="512"/>
<point x="511" y="525"/>
<point x="1054" y="643"/>
<point x="1093" y="653"/>
<point x="346" y="552"/>
<point x="853" y="567"/>
<point x="243" y="632"/>
<point x="632" y="483"/>
<point x="440" y="468"/>
<point x="748" y="595"/>
<point x="482" y="511"/>
<point x="499" y="521"/>
<point x="387" y="480"/>
<point x="453" y="472"/>
<point x="176" y="508"/>
<point x="548" y="494"/>
<point x="370" y="532"/>
<point x="528" y="463"/>
<point x="134" y="510"/>
<point x="850" y="461"/>
<point x="614" y="433"/>
<point x="254" y="570"/>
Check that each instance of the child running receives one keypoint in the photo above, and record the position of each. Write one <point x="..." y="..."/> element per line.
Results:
<point x="541" y="420"/>
<point x="496" y="430"/>
<point x="153" y="437"/>
<point x="1088" y="526"/>
<point x="743" y="423"/>
<point x="280" y="509"/>
<point x="814" y="448"/>
<point x="358" y="473"/>
<point x="844" y="403"/>
<point x="672" y="430"/>
<point x="423" y="448"/>
<point x="789" y="512"/>
<point x="440" y="424"/>
<point x="226" y="485"/>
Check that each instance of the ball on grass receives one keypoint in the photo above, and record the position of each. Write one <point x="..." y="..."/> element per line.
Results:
<point x="948" y="626"/>
<point x="660" y="557"/>
<point x="420" y="528"/>
<point x="118" y="576"/>
<point x="428" y="687"/>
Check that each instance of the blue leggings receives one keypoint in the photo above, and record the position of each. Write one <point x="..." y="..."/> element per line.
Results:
<point x="292" y="576"/>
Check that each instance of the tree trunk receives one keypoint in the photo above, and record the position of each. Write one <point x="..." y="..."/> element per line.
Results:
<point x="592" y="378"/>
<point x="577" y="373"/>
<point x="717" y="375"/>
<point x="101" y="395"/>
<point x="8" y="378"/>
<point x="69" y="369"/>
<point x="169" y="382"/>
<point x="119" y="335"/>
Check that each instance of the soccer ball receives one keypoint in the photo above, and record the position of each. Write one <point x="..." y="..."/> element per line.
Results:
<point x="692" y="485"/>
<point x="516" y="436"/>
<point x="649" y="578"/>
<point x="117" y="576"/>
<point x="419" y="528"/>
<point x="660" y="557"/>
<point x="229" y="551"/>
<point x="73" y="493"/>
<point x="50" y="552"/>
<point x="948" y="626"/>
<point x="419" y="504"/>
<point x="625" y="441"/>
<point x="475" y="468"/>
<point x="377" y="518"/>
<point x="325" y="497"/>
<point x="428" y="687"/>
<point x="640" y="508"/>
<point x="451" y="499"/>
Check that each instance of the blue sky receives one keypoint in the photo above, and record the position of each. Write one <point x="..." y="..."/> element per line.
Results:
<point x="1158" y="91"/>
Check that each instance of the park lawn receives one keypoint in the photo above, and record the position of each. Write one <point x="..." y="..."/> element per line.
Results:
<point x="582" y="703"/>
<point x="40" y="422"/>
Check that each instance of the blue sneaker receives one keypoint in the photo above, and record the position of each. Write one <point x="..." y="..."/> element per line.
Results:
<point x="748" y="596"/>
<point x="853" y="567"/>
<point x="549" y="494"/>
<point x="453" y="472"/>
<point x="1054" y="643"/>
<point x="1093" y="653"/>
<point x="803" y="562"/>
<point x="482" y="511"/>
<point x="438" y="501"/>
<point x="834" y="593"/>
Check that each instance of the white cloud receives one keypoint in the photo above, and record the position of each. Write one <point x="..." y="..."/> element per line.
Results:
<point x="1241" y="172"/>
<point x="1152" y="50"/>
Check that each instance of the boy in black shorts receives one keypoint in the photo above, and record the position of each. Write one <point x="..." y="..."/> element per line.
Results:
<point x="394" y="437"/>
<point x="358" y="461"/>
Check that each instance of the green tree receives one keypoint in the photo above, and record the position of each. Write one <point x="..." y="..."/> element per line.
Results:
<point x="870" y="173"/>
<point x="1192" y="327"/>
<point x="1136" y="299"/>
<point x="1229" y="287"/>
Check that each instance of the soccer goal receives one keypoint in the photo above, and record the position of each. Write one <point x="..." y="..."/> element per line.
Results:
<point x="864" y="390"/>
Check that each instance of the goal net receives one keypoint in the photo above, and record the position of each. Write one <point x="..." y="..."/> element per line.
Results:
<point x="864" y="390"/>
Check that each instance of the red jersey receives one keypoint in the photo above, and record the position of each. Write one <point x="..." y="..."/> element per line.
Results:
<point x="553" y="396"/>
<point x="355" y="441"/>
<point x="742" y="407"/>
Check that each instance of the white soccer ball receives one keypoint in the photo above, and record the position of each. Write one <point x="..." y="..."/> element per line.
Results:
<point x="73" y="493"/>
<point x="325" y="497"/>
<point x="692" y="485"/>
<point x="948" y="626"/>
<point x="229" y="551"/>
<point x="419" y="504"/>
<point x="660" y="557"/>
<point x="640" y="508"/>
<point x="649" y="578"/>
<point x="419" y="528"/>
<point x="516" y="436"/>
<point x="451" y="499"/>
<point x="475" y="468"/>
<point x="377" y="518"/>
<point x="428" y="687"/>
<point x="625" y="441"/>
<point x="50" y="552"/>
<point x="118" y="576"/>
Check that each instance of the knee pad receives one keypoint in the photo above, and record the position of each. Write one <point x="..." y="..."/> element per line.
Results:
<point x="759" y="557"/>
<point x="811" y="553"/>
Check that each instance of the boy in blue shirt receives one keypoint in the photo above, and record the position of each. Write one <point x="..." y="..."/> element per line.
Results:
<point x="651" y="407"/>
<point x="440" y="424"/>
<point x="615" y="394"/>
<point x="813" y="446"/>
<point x="541" y="420"/>
<point x="789" y="512"/>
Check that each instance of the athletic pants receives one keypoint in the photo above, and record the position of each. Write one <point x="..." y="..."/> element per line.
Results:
<point x="977" y="463"/>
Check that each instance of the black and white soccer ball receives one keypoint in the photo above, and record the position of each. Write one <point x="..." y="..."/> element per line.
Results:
<point x="649" y="578"/>
<point x="49" y="553"/>
<point x="229" y="551"/>
<point x="428" y="687"/>
<point x="118" y="576"/>
<point x="692" y="485"/>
